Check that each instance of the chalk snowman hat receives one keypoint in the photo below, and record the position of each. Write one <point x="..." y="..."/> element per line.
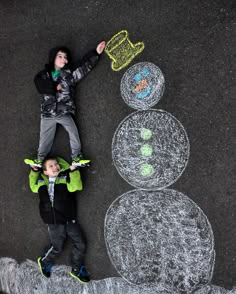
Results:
<point x="121" y="50"/>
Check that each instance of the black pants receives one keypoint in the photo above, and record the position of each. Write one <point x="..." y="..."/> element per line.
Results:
<point x="58" y="235"/>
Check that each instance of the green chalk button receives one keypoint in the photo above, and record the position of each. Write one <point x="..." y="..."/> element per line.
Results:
<point x="146" y="134"/>
<point x="146" y="150"/>
<point x="146" y="170"/>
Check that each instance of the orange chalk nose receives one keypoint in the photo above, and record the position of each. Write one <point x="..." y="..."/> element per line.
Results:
<point x="142" y="85"/>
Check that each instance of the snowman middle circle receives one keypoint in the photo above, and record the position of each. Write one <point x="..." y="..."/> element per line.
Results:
<point x="150" y="149"/>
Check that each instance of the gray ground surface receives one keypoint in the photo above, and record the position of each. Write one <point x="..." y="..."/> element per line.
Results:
<point x="193" y="42"/>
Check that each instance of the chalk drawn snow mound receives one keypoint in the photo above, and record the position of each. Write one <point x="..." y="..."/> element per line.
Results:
<point x="160" y="238"/>
<point x="26" y="279"/>
<point x="150" y="149"/>
<point x="212" y="289"/>
<point x="142" y="85"/>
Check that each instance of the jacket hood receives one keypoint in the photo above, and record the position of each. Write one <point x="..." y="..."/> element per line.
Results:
<point x="53" y="53"/>
<point x="63" y="164"/>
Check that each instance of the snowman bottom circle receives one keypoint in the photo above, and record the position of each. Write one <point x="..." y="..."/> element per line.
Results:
<point x="158" y="238"/>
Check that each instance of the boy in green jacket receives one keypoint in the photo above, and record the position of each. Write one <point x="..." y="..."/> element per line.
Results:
<point x="56" y="185"/>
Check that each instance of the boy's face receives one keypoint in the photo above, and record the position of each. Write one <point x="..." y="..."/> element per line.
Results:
<point x="60" y="60"/>
<point x="52" y="168"/>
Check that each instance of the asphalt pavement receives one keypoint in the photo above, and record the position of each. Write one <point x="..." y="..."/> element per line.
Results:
<point x="193" y="42"/>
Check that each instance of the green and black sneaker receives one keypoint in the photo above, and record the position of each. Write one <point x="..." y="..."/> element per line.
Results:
<point x="45" y="268"/>
<point x="81" y="275"/>
<point x="80" y="162"/>
<point x="33" y="162"/>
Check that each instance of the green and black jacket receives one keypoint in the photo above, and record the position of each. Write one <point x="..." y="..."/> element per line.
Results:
<point x="63" y="208"/>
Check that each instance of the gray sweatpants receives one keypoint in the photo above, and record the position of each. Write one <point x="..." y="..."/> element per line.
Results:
<point x="58" y="235"/>
<point x="47" y="133"/>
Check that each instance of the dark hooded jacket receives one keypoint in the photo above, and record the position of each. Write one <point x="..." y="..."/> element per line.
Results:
<point x="62" y="102"/>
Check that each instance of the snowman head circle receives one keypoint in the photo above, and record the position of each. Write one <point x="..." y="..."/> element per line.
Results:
<point x="142" y="85"/>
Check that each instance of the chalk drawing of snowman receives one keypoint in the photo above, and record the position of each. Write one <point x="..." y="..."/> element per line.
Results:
<point x="155" y="237"/>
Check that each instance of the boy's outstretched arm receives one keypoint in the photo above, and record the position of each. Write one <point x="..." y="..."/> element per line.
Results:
<point x="89" y="61"/>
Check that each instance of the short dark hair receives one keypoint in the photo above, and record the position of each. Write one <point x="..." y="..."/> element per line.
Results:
<point x="46" y="160"/>
<point x="53" y="52"/>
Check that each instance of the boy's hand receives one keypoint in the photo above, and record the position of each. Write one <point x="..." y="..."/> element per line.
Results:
<point x="59" y="87"/>
<point x="35" y="168"/>
<point x="72" y="167"/>
<point x="100" y="47"/>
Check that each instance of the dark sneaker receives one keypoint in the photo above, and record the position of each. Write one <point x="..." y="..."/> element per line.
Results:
<point x="33" y="162"/>
<point x="78" y="161"/>
<point x="45" y="268"/>
<point x="81" y="275"/>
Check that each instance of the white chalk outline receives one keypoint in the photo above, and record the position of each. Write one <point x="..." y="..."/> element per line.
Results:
<point x="131" y="104"/>
<point x="194" y="204"/>
<point x="188" y="149"/>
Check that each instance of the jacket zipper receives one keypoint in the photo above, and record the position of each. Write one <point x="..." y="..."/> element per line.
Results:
<point x="54" y="214"/>
<point x="52" y="204"/>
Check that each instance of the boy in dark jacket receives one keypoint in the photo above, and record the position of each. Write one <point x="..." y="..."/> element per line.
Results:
<point x="57" y="206"/>
<point x="57" y="84"/>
